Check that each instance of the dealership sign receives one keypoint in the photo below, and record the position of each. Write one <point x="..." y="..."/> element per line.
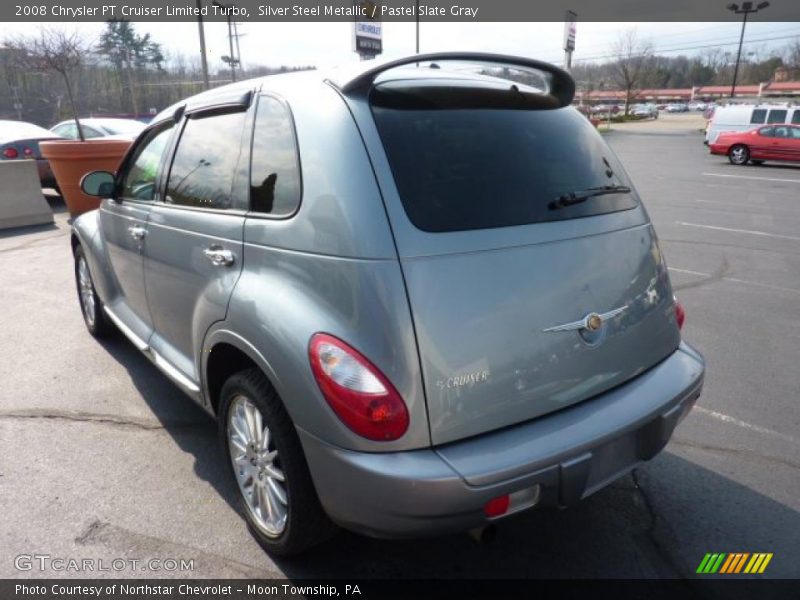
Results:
<point x="368" y="34"/>
<point x="569" y="31"/>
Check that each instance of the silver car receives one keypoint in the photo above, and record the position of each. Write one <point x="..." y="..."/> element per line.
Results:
<point x="419" y="297"/>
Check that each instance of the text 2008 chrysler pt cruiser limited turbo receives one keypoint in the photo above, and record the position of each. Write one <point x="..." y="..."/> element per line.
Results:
<point x="418" y="296"/>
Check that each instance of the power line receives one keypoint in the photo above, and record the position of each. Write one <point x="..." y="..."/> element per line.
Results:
<point x="683" y="48"/>
<point x="717" y="36"/>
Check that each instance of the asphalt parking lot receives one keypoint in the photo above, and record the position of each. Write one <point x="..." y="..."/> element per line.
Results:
<point x="102" y="457"/>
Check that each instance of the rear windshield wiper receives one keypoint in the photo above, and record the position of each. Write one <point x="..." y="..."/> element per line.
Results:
<point x="583" y="195"/>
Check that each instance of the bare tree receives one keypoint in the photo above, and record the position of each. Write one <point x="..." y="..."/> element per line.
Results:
<point x="791" y="54"/>
<point x="631" y="56"/>
<point x="54" y="51"/>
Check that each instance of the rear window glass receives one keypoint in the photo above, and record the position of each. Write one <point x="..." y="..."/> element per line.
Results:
<point x="777" y="116"/>
<point x="275" y="173"/>
<point x="482" y="168"/>
<point x="759" y="116"/>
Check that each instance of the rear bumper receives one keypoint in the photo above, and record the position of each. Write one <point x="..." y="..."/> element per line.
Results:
<point x="568" y="455"/>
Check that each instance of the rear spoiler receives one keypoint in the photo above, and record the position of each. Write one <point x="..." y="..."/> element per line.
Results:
<point x="359" y="81"/>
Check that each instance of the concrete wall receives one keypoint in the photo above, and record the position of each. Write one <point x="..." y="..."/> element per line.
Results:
<point x="21" y="199"/>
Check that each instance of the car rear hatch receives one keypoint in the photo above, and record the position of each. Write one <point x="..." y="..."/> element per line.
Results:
<point x="527" y="297"/>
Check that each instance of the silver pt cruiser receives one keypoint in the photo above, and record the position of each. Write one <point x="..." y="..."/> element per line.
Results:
<point x="419" y="296"/>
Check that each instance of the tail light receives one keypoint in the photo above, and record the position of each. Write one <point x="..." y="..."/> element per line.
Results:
<point x="10" y="152"/>
<point x="680" y="313"/>
<point x="360" y="395"/>
<point x="27" y="151"/>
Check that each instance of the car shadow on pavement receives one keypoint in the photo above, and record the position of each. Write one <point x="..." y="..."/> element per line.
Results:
<point x="193" y="430"/>
<point x="655" y="523"/>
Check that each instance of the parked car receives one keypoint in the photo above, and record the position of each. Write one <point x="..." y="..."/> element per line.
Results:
<point x="771" y="142"/>
<point x="20" y="140"/>
<point x="677" y="108"/>
<point x="743" y="117"/>
<point x="406" y="317"/>
<point x="645" y="110"/>
<point x="99" y="127"/>
<point x="605" y="109"/>
<point x="697" y="106"/>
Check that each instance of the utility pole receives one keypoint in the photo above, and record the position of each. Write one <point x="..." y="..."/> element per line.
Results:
<point x="237" y="35"/>
<point x="203" y="59"/>
<point x="232" y="58"/>
<point x="745" y="9"/>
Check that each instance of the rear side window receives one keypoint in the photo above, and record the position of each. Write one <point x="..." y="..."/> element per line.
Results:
<point x="205" y="162"/>
<point x="796" y="117"/>
<point x="759" y="116"/>
<point x="462" y="169"/>
<point x="783" y="132"/>
<point x="68" y="130"/>
<point x="777" y="116"/>
<point x="275" y="169"/>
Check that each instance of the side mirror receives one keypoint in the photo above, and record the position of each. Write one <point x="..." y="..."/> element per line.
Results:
<point x="98" y="183"/>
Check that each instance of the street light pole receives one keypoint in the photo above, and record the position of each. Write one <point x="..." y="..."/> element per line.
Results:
<point x="416" y="16"/>
<point x="203" y="59"/>
<point x="745" y="9"/>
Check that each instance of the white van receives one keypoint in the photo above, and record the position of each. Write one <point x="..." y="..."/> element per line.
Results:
<point x="741" y="117"/>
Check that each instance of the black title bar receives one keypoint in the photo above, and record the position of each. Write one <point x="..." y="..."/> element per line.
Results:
<point x="389" y="10"/>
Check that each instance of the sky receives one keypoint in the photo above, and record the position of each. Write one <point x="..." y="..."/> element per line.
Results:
<point x="328" y="44"/>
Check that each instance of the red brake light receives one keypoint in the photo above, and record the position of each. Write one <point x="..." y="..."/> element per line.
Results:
<point x="10" y="152"/>
<point x="680" y="313"/>
<point x="27" y="151"/>
<point x="360" y="395"/>
<point x="497" y="506"/>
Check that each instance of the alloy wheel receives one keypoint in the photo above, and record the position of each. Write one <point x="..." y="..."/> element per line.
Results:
<point x="256" y="465"/>
<point x="86" y="290"/>
<point x="739" y="155"/>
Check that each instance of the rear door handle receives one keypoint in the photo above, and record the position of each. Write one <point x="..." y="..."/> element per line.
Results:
<point x="137" y="232"/>
<point x="219" y="256"/>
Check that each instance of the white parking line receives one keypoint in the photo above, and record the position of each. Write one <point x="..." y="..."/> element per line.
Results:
<point x="751" y="177"/>
<point x="748" y="231"/>
<point x="689" y="272"/>
<point x="735" y="280"/>
<point x="763" y="285"/>
<point x="745" y="425"/>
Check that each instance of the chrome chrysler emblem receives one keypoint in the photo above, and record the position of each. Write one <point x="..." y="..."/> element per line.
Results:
<point x="591" y="322"/>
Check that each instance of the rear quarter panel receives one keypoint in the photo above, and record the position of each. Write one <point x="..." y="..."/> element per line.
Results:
<point x="331" y="268"/>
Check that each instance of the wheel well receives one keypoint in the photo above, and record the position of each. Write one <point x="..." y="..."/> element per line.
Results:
<point x="223" y="361"/>
<point x="74" y="242"/>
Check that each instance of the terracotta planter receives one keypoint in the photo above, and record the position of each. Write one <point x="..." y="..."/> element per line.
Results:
<point x="595" y="121"/>
<point x="70" y="160"/>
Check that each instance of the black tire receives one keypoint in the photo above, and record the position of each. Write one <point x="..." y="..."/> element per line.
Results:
<point x="93" y="314"/>
<point x="739" y="155"/>
<point x="756" y="162"/>
<point x="306" y="523"/>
